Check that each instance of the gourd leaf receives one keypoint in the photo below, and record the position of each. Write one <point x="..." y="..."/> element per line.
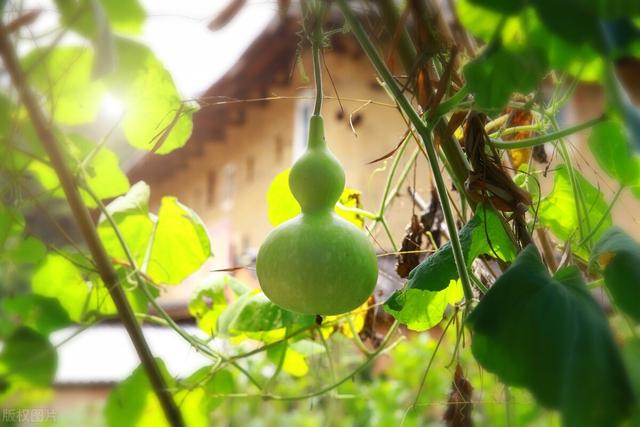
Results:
<point x="618" y="255"/>
<point x="41" y="314"/>
<point x="549" y="335"/>
<point x="155" y="117"/>
<point x="60" y="279"/>
<point x="253" y="315"/>
<point x="100" y="169"/>
<point x="609" y="144"/>
<point x="421" y="303"/>
<point x="502" y="70"/>
<point x="132" y="403"/>
<point x="180" y="243"/>
<point x="282" y="206"/>
<point x="209" y="300"/>
<point x="130" y="212"/>
<point x="27" y="360"/>
<point x="123" y="16"/>
<point x="558" y="209"/>
<point x="220" y="382"/>
<point x="64" y="76"/>
<point x="294" y="363"/>
<point x="79" y="294"/>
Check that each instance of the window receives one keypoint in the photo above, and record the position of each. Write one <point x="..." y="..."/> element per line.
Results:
<point x="250" y="168"/>
<point x="211" y="188"/>
<point x="228" y="185"/>
<point x="302" y="114"/>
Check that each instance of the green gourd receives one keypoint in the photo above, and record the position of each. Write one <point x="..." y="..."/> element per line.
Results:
<point x="317" y="263"/>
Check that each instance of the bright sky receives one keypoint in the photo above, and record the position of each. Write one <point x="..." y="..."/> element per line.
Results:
<point x="178" y="34"/>
<point x="196" y="56"/>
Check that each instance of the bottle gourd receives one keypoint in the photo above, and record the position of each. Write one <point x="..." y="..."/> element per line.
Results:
<point x="317" y="263"/>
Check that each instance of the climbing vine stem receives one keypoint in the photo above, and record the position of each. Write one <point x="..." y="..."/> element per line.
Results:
<point x="425" y="135"/>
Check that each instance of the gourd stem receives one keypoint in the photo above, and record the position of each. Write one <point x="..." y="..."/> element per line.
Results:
<point x="316" y="41"/>
<point x="425" y="136"/>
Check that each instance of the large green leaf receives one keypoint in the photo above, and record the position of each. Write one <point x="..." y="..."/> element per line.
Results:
<point x="418" y="309"/>
<point x="43" y="315"/>
<point x="558" y="209"/>
<point x="132" y="403"/>
<point x="155" y="116"/>
<point x="609" y="144"/>
<point x="421" y="303"/>
<point x="219" y="382"/>
<point x="549" y="335"/>
<point x="180" y="243"/>
<point x="631" y="355"/>
<point x="28" y="359"/>
<point x="483" y="234"/>
<point x="254" y="315"/>
<point x="125" y="16"/>
<point x="130" y="213"/>
<point x="209" y="300"/>
<point x="99" y="166"/>
<point x="282" y="206"/>
<point x="525" y="29"/>
<point x="619" y="257"/>
<point x="60" y="279"/>
<point x="63" y="76"/>
<point x="81" y="294"/>
<point x="502" y="70"/>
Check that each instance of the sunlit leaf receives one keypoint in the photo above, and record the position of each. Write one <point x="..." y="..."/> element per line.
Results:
<point x="549" y="335"/>
<point x="125" y="16"/>
<point x="422" y="302"/>
<point x="60" y="279"/>
<point x="609" y="144"/>
<point x="282" y="206"/>
<point x="99" y="167"/>
<point x="558" y="208"/>
<point x="618" y="255"/>
<point x="291" y="361"/>
<point x="132" y="403"/>
<point x="214" y="383"/>
<point x="483" y="234"/>
<point x="180" y="243"/>
<point x="79" y="293"/>
<point x="154" y="110"/>
<point x="130" y="212"/>
<point x="63" y="76"/>
<point x="209" y="300"/>
<point x="253" y="313"/>
<point x="418" y="309"/>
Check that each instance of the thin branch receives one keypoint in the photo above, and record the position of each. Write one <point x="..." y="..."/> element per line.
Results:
<point x="425" y="135"/>
<point x="85" y="224"/>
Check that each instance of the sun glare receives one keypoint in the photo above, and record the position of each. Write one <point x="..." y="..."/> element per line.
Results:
<point x="112" y="106"/>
